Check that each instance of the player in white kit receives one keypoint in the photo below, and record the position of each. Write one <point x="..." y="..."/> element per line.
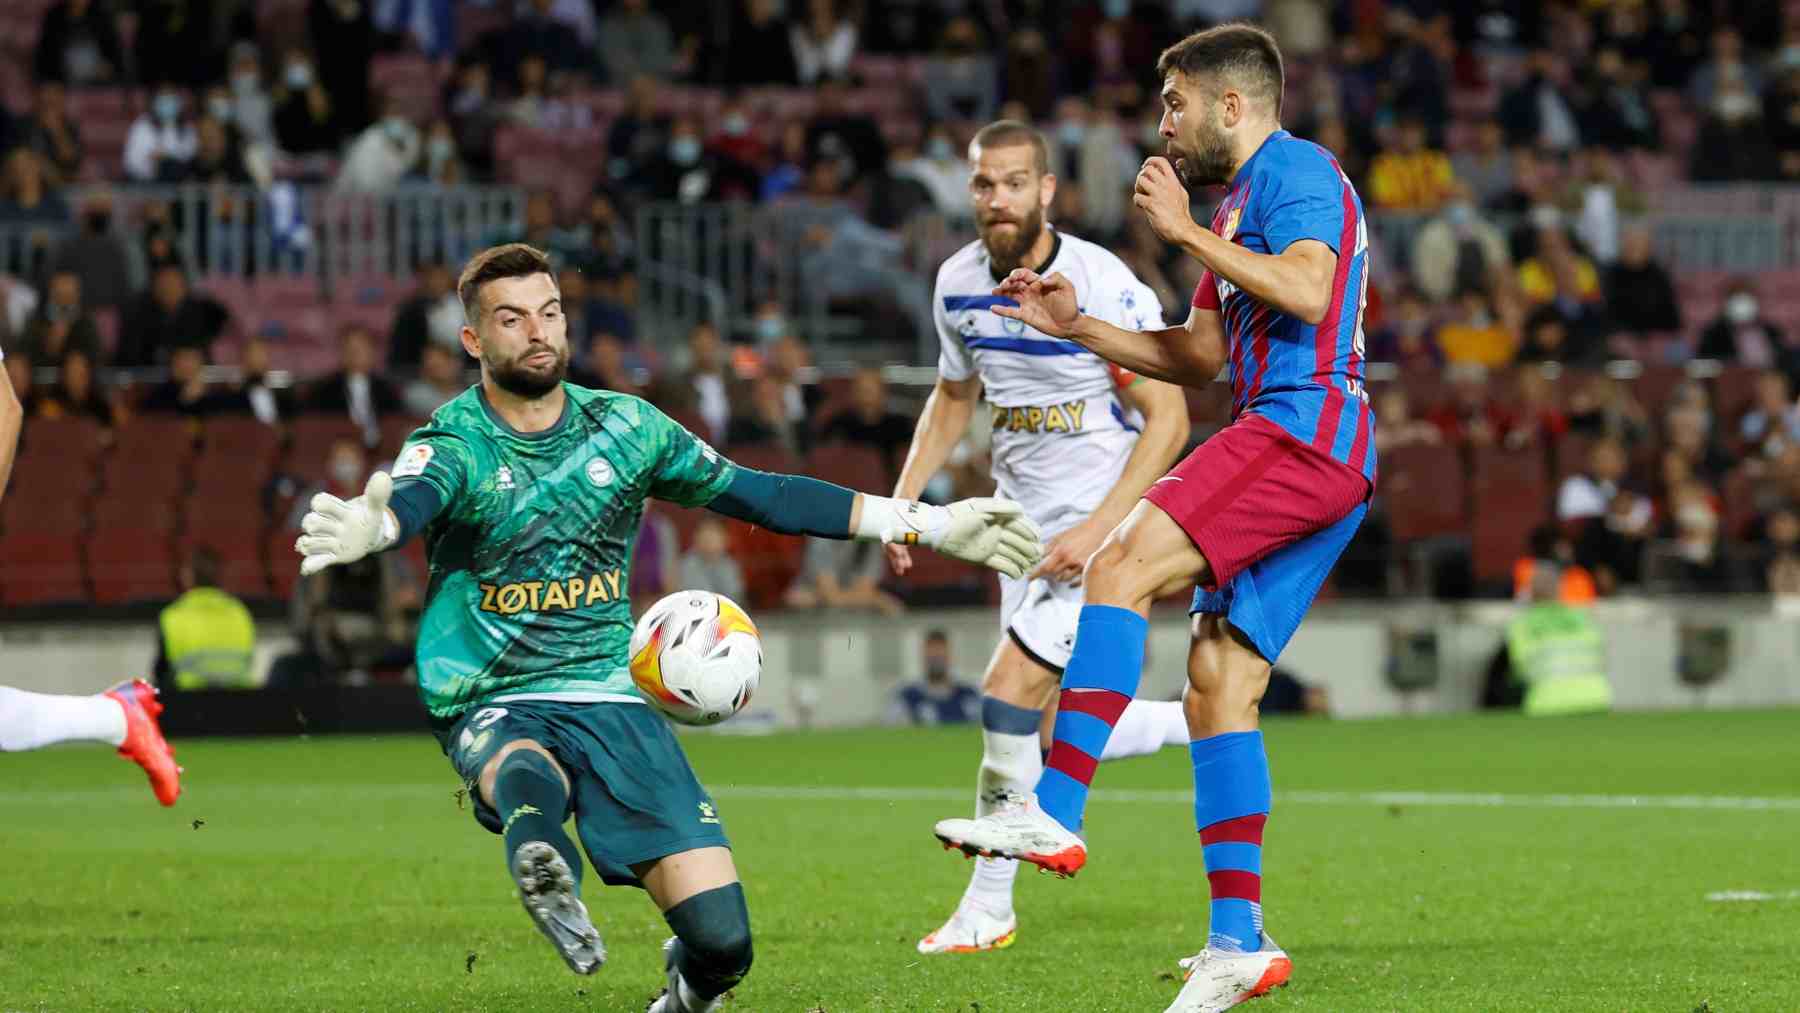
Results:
<point x="1076" y="442"/>
<point x="124" y="716"/>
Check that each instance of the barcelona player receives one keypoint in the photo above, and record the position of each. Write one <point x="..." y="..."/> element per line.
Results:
<point x="1256" y="516"/>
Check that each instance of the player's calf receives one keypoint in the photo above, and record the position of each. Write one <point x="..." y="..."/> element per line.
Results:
<point x="531" y="795"/>
<point x="711" y="951"/>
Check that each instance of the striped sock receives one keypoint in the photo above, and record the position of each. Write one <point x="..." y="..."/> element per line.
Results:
<point x="1101" y="678"/>
<point x="1231" y="806"/>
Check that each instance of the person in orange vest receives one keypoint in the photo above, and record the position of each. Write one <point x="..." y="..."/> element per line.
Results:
<point x="1549" y="548"/>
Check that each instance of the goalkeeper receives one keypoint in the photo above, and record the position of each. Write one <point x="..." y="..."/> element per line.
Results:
<point x="529" y="491"/>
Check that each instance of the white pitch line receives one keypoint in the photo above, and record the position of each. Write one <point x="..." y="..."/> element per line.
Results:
<point x="1728" y="896"/>
<point x="276" y="793"/>
<point x="846" y="793"/>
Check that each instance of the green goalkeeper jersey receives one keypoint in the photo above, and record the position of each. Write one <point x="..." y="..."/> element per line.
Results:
<point x="530" y="552"/>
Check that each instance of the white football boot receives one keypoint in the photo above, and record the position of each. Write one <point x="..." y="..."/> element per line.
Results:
<point x="972" y="929"/>
<point x="1218" y="980"/>
<point x="1017" y="828"/>
<point x="677" y="997"/>
<point x="547" y="889"/>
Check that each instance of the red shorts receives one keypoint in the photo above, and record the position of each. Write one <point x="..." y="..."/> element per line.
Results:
<point x="1253" y="489"/>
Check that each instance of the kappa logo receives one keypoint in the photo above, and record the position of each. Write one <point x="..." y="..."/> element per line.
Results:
<point x="600" y="472"/>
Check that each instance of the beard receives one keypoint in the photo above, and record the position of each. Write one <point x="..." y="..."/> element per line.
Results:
<point x="1005" y="253"/>
<point x="533" y="380"/>
<point x="1208" y="162"/>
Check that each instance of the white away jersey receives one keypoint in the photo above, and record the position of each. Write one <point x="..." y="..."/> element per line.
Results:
<point x="1061" y="434"/>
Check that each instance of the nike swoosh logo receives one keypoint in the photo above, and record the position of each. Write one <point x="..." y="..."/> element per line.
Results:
<point x="1169" y="478"/>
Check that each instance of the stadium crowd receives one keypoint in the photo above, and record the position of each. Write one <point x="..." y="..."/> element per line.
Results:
<point x="1539" y="357"/>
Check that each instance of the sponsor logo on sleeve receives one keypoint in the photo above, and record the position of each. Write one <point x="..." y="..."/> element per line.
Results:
<point x="412" y="460"/>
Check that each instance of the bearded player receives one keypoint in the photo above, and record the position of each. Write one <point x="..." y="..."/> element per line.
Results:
<point x="1076" y="443"/>
<point x="529" y="491"/>
<point x="123" y="717"/>
<point x="1256" y="516"/>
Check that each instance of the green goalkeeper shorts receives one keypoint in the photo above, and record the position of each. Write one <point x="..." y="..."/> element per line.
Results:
<point x="632" y="793"/>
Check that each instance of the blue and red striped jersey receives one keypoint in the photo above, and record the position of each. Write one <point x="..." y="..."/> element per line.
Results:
<point x="1306" y="378"/>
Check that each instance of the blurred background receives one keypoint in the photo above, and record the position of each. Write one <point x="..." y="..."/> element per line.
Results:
<point x="229" y="233"/>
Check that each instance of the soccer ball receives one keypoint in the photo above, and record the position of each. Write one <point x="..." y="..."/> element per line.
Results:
<point x="697" y="657"/>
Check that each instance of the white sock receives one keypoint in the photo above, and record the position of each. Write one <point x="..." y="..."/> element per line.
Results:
<point x="1012" y="762"/>
<point x="35" y="720"/>
<point x="1145" y="727"/>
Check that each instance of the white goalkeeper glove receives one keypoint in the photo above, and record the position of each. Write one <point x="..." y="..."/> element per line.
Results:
<point x="338" y="532"/>
<point x="989" y="531"/>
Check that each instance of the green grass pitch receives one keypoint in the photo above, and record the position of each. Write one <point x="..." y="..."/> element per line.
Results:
<point x="337" y="874"/>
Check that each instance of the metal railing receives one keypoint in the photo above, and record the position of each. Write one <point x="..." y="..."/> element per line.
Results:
<point x="718" y="262"/>
<point x="310" y="231"/>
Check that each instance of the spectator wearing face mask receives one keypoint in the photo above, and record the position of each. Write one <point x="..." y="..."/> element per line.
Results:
<point x="1740" y="334"/>
<point x="1692" y="557"/>
<point x="252" y="111"/>
<point x="382" y="155"/>
<point x="305" y="119"/>
<point x="944" y="174"/>
<point x="61" y="324"/>
<point x="1458" y="251"/>
<point x="161" y="142"/>
<point x="97" y="257"/>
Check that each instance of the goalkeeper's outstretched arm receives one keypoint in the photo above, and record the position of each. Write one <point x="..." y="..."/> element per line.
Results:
<point x="992" y="532"/>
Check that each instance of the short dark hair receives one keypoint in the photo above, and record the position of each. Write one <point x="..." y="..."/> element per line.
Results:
<point x="936" y="636"/>
<point x="203" y="566"/>
<point x="513" y="260"/>
<point x="1005" y="133"/>
<point x="1237" y="52"/>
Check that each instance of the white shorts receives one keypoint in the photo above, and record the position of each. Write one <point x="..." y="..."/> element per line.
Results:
<point x="1041" y="615"/>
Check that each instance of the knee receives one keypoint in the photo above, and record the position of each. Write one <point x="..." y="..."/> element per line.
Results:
<point x="716" y="952"/>
<point x="516" y="752"/>
<point x="726" y="949"/>
<point x="1108" y="575"/>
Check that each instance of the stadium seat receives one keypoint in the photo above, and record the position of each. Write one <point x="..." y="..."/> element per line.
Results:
<point x="1422" y="488"/>
<point x="1509" y="495"/>
<point x="933" y="573"/>
<point x="242" y="570"/>
<point x="128" y="480"/>
<point x="40" y="569"/>
<point x="165" y="437"/>
<point x="129" y="564"/>
<point x="311" y="437"/>
<point x="770" y="562"/>
<point x="42" y="477"/>
<point x="764" y="457"/>
<point x="282" y="561"/>
<point x="848" y="465"/>
<point x="240" y="439"/>
<point x="1571" y="456"/>
<point x="1733" y="390"/>
<point x="224" y="503"/>
<point x="394" y="431"/>
<point x="1738" y="492"/>
<point x="70" y="439"/>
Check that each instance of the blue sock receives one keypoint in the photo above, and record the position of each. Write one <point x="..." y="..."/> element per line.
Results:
<point x="1231" y="806"/>
<point x="1101" y="678"/>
